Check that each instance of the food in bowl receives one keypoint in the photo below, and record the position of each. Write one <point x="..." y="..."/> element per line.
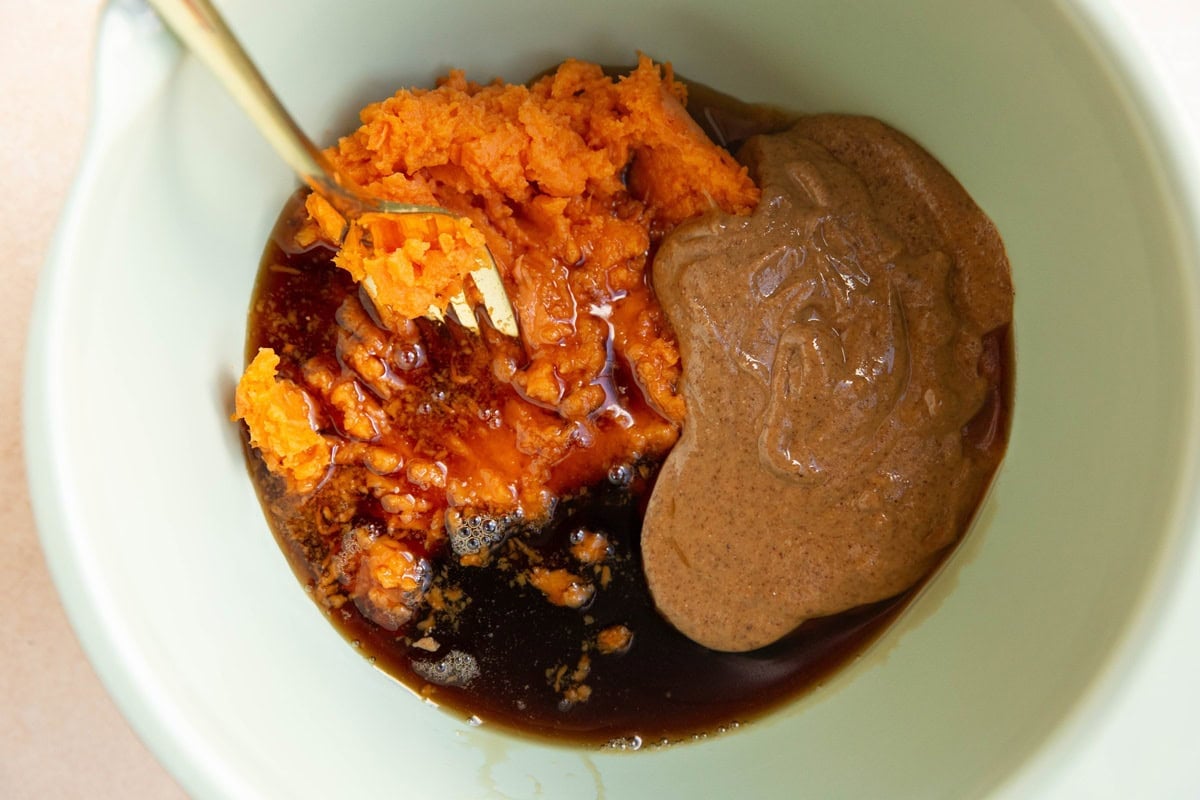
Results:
<point x="469" y="508"/>
<point x="844" y="351"/>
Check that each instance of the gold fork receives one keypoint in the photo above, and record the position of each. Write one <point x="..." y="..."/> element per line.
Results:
<point x="203" y="31"/>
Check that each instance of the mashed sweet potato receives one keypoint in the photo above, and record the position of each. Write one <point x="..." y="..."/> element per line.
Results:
<point x="281" y="419"/>
<point x="409" y="264"/>
<point x="567" y="180"/>
<point x="570" y="182"/>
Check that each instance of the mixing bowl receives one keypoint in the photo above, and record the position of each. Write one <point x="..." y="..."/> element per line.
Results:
<point x="988" y="683"/>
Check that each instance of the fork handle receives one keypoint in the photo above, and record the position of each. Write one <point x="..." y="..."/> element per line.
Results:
<point x="204" y="32"/>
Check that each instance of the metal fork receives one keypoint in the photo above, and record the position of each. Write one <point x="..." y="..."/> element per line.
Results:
<point x="204" y="32"/>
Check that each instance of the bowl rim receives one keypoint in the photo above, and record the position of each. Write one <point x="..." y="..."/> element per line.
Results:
<point x="1061" y="764"/>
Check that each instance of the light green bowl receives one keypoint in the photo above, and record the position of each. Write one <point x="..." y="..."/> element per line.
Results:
<point x="234" y="679"/>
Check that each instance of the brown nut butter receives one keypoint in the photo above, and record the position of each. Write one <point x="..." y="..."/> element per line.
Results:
<point x="841" y="349"/>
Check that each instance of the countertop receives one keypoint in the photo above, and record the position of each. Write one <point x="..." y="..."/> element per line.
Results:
<point x="60" y="734"/>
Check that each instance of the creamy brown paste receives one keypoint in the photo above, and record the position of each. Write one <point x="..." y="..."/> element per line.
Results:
<point x="835" y="372"/>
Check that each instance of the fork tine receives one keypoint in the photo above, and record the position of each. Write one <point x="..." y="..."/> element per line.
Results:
<point x="495" y="300"/>
<point x="463" y="312"/>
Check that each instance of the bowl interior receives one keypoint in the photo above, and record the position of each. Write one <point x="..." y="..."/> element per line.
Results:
<point x="229" y="671"/>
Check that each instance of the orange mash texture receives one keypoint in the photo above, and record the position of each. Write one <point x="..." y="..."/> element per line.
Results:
<point x="570" y="182"/>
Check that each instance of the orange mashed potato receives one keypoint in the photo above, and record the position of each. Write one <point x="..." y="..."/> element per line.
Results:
<point x="407" y="263"/>
<point x="570" y="182"/>
<point x="280" y="416"/>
